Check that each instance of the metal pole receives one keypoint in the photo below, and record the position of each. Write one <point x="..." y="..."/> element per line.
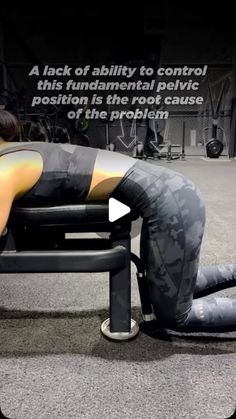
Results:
<point x="232" y="140"/>
<point x="169" y="154"/>
<point x="183" y="142"/>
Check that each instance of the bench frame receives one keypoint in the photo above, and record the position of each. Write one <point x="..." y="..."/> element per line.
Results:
<point x="37" y="242"/>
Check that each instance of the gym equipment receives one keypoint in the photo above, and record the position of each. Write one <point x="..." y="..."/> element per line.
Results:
<point x="40" y="125"/>
<point x="155" y="146"/>
<point x="232" y="145"/>
<point x="109" y="146"/>
<point x="36" y="242"/>
<point x="81" y="123"/>
<point x="39" y="243"/>
<point x="79" y="130"/>
<point x="81" y="139"/>
<point x="169" y="151"/>
<point x="214" y="146"/>
<point x="154" y="139"/>
<point x="183" y="142"/>
<point x="138" y="150"/>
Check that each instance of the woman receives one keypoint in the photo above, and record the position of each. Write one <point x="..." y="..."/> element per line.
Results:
<point x="171" y="206"/>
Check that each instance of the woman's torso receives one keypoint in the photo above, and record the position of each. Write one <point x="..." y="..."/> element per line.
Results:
<point x="70" y="173"/>
<point x="56" y="184"/>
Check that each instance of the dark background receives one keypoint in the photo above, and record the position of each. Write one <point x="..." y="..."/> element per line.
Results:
<point x="151" y="33"/>
<point x="98" y="32"/>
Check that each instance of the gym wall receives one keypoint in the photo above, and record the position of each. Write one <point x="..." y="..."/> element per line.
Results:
<point x="158" y="33"/>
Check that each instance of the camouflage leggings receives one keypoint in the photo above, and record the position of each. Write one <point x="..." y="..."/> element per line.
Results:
<point x="173" y="214"/>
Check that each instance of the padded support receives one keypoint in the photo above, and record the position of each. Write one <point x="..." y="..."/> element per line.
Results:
<point x="63" y="261"/>
<point x="36" y="242"/>
<point x="64" y="215"/>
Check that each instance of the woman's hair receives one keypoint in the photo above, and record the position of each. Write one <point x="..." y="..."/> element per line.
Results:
<point x="9" y="125"/>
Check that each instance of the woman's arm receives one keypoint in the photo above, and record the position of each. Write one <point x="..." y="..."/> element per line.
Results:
<point x="19" y="171"/>
<point x="6" y="200"/>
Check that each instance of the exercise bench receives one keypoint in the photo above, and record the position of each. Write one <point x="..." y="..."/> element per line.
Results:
<point x="37" y="242"/>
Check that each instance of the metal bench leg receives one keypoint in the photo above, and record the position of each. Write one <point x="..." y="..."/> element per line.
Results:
<point x="146" y="305"/>
<point x="147" y="311"/>
<point x="120" y="326"/>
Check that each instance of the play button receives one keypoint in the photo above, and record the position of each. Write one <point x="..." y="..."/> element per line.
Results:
<point x="116" y="210"/>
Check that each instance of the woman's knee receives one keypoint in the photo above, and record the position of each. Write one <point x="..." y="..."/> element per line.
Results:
<point x="171" y="319"/>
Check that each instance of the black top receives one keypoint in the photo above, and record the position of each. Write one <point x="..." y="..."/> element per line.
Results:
<point x="67" y="173"/>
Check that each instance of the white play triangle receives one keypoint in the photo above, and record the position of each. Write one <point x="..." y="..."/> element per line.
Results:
<point x="116" y="210"/>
